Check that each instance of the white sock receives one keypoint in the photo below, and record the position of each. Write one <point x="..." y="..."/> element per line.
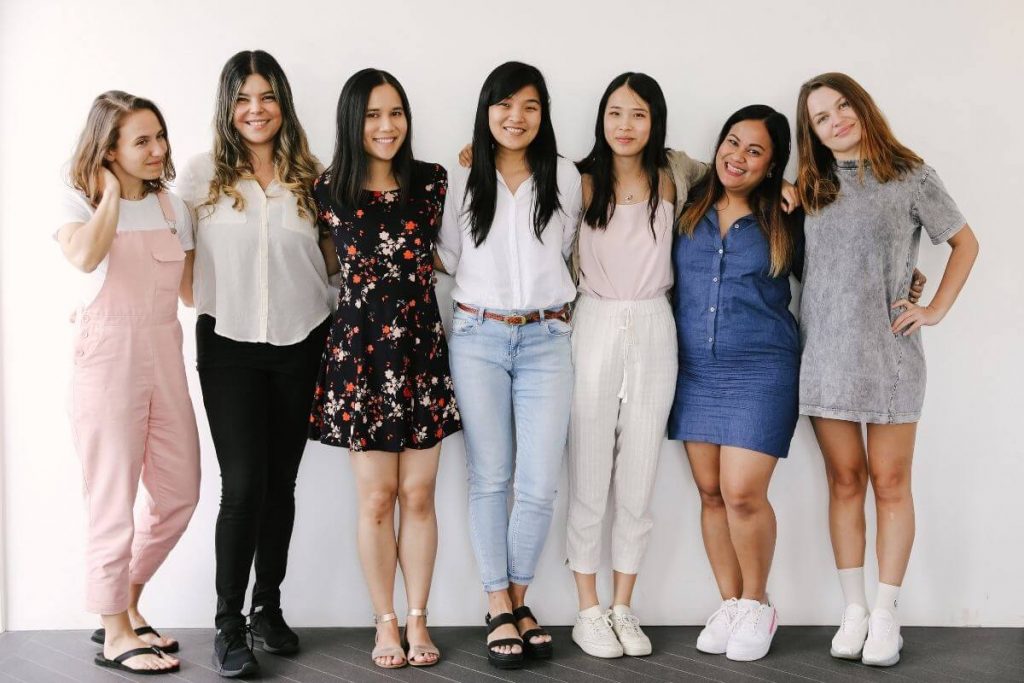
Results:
<point x="852" y="583"/>
<point x="621" y="609"/>
<point x="887" y="598"/>
<point x="591" y="612"/>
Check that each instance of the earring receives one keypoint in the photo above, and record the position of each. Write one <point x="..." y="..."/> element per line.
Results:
<point x="769" y="174"/>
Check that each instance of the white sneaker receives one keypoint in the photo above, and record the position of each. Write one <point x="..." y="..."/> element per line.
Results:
<point x="853" y="631"/>
<point x="882" y="648"/>
<point x="593" y="633"/>
<point x="753" y="630"/>
<point x="714" y="637"/>
<point x="634" y="641"/>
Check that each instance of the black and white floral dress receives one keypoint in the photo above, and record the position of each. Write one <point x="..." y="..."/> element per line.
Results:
<point x="384" y="381"/>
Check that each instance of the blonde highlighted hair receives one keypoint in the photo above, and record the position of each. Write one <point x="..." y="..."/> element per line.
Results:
<point x="817" y="181"/>
<point x="294" y="165"/>
<point x="100" y="135"/>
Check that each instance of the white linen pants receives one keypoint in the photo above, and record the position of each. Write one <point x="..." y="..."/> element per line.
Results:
<point x="625" y="361"/>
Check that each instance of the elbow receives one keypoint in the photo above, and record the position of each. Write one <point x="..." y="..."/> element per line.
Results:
<point x="85" y="263"/>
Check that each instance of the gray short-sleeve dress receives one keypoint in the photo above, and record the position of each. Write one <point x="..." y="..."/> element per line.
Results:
<point x="860" y="253"/>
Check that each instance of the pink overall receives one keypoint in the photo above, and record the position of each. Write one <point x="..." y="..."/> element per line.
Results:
<point x="131" y="415"/>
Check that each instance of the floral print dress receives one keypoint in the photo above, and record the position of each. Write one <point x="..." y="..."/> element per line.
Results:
<point x="384" y="381"/>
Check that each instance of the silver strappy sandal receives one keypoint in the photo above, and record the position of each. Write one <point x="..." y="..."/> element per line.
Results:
<point x="393" y="651"/>
<point x="414" y="651"/>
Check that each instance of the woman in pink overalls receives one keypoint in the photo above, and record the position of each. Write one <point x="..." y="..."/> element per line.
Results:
<point x="130" y="410"/>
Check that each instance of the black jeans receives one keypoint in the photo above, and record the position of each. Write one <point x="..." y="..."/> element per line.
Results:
<point x="257" y="397"/>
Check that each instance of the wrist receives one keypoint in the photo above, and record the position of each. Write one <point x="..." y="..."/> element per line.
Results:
<point x="938" y="309"/>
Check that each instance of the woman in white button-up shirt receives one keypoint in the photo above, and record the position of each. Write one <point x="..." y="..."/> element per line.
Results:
<point x="260" y="287"/>
<point x="508" y="228"/>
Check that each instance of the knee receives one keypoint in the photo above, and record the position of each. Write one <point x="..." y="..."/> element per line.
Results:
<point x="243" y="495"/>
<point x="891" y="488"/>
<point x="847" y="484"/>
<point x="416" y="500"/>
<point x="379" y="504"/>
<point x="711" y="496"/>
<point x="537" y="494"/>
<point x="743" y="501"/>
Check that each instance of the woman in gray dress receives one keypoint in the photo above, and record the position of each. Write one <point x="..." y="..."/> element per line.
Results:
<point x="867" y="198"/>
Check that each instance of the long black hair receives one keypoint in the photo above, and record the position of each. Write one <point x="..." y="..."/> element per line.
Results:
<point x="541" y="155"/>
<point x="598" y="164"/>
<point x="765" y="200"/>
<point x="349" y="166"/>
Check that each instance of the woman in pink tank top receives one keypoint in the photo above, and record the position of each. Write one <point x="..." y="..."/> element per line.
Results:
<point x="130" y="410"/>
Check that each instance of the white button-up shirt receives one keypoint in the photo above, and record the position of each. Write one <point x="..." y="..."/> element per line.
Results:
<point x="259" y="271"/>
<point x="512" y="269"/>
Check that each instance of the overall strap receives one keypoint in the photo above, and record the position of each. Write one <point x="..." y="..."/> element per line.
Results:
<point x="168" y="209"/>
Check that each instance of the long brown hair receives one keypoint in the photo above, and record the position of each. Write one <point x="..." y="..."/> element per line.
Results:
<point x="817" y="181"/>
<point x="765" y="200"/>
<point x="100" y="135"/>
<point x="294" y="165"/>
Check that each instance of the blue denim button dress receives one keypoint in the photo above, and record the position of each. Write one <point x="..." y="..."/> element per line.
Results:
<point x="739" y="346"/>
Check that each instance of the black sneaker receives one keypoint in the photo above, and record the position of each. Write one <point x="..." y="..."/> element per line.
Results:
<point x="270" y="631"/>
<point x="232" y="655"/>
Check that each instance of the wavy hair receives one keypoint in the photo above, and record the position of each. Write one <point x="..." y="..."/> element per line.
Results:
<point x="100" y="135"/>
<point x="765" y="200"/>
<point x="294" y="165"/>
<point x="599" y="163"/>
<point x="817" y="181"/>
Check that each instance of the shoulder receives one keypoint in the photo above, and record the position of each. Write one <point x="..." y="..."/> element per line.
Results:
<point x="428" y="173"/>
<point x="567" y="174"/>
<point x="200" y="166"/>
<point x="74" y="206"/>
<point x="176" y="201"/>
<point x="458" y="177"/>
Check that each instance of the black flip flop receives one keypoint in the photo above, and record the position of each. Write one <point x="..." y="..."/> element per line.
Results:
<point x="117" y="662"/>
<point x="99" y="637"/>
<point x="500" y="660"/>
<point x="535" y="650"/>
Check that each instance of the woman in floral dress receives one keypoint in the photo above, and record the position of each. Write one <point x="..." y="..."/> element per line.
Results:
<point x="384" y="390"/>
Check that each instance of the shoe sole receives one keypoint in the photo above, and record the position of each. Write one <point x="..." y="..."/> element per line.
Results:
<point x="247" y="669"/>
<point x="885" y="662"/>
<point x="638" y="652"/>
<point x="709" y="651"/>
<point x="839" y="655"/>
<point x="287" y="650"/>
<point x="600" y="654"/>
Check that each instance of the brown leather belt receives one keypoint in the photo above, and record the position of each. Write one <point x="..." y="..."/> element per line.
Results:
<point x="531" y="317"/>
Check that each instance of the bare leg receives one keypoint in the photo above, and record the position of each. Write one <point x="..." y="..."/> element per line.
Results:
<point x="586" y="590"/>
<point x="138" y="621"/>
<point x="376" y="475"/>
<point x="500" y="602"/>
<point x="714" y="523"/>
<point x="417" y="536"/>
<point x="890" y="454"/>
<point x="846" y="468"/>
<point x="623" y="584"/>
<point x="745" y="478"/>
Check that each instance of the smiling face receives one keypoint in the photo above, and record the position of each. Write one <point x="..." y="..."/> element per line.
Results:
<point x="385" y="125"/>
<point x="835" y="122"/>
<point x="141" y="150"/>
<point x="515" y="121"/>
<point x="257" y="115"/>
<point x="744" y="157"/>
<point x="627" y="122"/>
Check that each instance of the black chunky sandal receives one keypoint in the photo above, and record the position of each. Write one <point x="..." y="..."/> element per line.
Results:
<point x="500" y="660"/>
<point x="534" y="650"/>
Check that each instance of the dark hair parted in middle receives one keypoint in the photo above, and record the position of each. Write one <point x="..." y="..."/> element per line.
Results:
<point x="541" y="155"/>
<point x="598" y="164"/>
<point x="349" y="165"/>
<point x="765" y="200"/>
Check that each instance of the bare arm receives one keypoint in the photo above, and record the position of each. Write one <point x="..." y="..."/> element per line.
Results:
<point x="330" y="255"/>
<point x="961" y="259"/>
<point x="185" y="288"/>
<point x="85" y="245"/>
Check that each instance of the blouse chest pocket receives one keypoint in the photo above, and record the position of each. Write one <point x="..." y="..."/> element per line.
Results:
<point x="291" y="221"/>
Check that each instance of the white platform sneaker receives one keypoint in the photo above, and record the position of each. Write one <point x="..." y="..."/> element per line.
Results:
<point x="714" y="637"/>
<point x="848" y="643"/>
<point x="753" y="630"/>
<point x="884" y="642"/>
<point x="593" y="633"/>
<point x="634" y="641"/>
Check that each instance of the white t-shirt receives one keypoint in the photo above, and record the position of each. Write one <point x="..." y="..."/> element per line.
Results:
<point x="144" y="214"/>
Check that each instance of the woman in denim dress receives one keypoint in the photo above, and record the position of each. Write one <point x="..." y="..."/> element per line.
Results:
<point x="867" y="198"/>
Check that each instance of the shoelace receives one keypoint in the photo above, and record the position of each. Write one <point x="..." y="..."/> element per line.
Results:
<point x="847" y="623"/>
<point x="631" y="624"/>
<point x="602" y="625"/>
<point x="741" y="616"/>
<point x="728" y="610"/>
<point x="243" y="634"/>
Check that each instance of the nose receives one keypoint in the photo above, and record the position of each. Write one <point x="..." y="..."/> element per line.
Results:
<point x="515" y="113"/>
<point x="387" y="123"/>
<point x="256" y="105"/>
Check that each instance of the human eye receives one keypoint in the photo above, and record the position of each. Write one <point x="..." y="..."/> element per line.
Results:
<point x="398" y="113"/>
<point x="640" y="115"/>
<point x="844" y="105"/>
<point x="755" y="152"/>
<point x="372" y="115"/>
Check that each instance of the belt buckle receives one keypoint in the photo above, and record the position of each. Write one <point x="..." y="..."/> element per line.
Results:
<point x="516" y="320"/>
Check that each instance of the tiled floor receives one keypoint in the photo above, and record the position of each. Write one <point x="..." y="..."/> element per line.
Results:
<point x="332" y="655"/>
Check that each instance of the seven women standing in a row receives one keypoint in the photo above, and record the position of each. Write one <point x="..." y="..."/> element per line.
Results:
<point x="266" y="238"/>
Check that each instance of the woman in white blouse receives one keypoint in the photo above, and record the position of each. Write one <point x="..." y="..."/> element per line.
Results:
<point x="508" y="227"/>
<point x="260" y="288"/>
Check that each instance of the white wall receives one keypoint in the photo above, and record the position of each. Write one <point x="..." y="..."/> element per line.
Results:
<point x="947" y="75"/>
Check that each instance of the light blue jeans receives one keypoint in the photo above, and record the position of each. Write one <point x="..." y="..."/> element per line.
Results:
<point x="513" y="385"/>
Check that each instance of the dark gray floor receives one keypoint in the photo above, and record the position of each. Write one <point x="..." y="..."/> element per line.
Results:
<point x="331" y="655"/>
